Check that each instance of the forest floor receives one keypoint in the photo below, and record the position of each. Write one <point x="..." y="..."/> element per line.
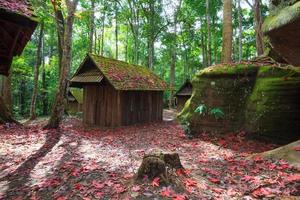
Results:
<point x="73" y="163"/>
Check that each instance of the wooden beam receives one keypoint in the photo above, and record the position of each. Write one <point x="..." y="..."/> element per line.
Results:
<point x="13" y="46"/>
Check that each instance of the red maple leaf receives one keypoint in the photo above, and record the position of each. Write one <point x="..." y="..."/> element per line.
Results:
<point x="97" y="184"/>
<point x="214" y="180"/>
<point x="166" y="192"/>
<point x="136" y="188"/>
<point x="190" y="182"/>
<point x="155" y="182"/>
<point x="179" y="197"/>
<point x="297" y="148"/>
<point x="294" y="177"/>
<point x="262" y="192"/>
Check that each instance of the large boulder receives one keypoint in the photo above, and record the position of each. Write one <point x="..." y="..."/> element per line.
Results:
<point x="258" y="97"/>
<point x="282" y="29"/>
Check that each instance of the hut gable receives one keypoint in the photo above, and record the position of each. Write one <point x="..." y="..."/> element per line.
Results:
<point x="121" y="75"/>
<point x="185" y="90"/>
<point x="17" y="23"/>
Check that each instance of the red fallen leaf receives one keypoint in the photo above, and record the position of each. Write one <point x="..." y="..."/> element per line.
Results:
<point x="214" y="180"/>
<point x="297" y="148"/>
<point x="262" y="192"/>
<point x="119" y="188"/>
<point x="258" y="159"/>
<point x="217" y="190"/>
<point x="166" y="192"/>
<point x="78" y="186"/>
<point x="136" y="188"/>
<point x="155" y="182"/>
<point x="222" y="142"/>
<point x="97" y="184"/>
<point x="109" y="183"/>
<point x="179" y="197"/>
<point x="294" y="177"/>
<point x="61" y="198"/>
<point x="128" y="176"/>
<point x="99" y="195"/>
<point x="190" y="182"/>
<point x="183" y="172"/>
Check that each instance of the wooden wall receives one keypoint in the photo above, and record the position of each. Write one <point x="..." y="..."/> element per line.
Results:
<point x="101" y="106"/>
<point x="106" y="107"/>
<point x="141" y="106"/>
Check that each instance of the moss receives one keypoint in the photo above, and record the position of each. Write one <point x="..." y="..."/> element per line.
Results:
<point x="228" y="70"/>
<point x="264" y="100"/>
<point x="125" y="76"/>
<point x="224" y="87"/>
<point x="281" y="17"/>
<point x="273" y="107"/>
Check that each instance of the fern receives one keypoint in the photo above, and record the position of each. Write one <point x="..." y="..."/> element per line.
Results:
<point x="217" y="113"/>
<point x="201" y="109"/>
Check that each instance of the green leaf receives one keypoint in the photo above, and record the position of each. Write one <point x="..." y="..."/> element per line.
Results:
<point x="217" y="113"/>
<point x="201" y="109"/>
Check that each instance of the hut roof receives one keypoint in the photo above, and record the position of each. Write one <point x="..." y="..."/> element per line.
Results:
<point x="21" y="7"/>
<point x="17" y="25"/>
<point x="121" y="75"/>
<point x="185" y="90"/>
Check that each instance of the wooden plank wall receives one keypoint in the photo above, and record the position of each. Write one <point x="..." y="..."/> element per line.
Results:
<point x="101" y="106"/>
<point x="141" y="107"/>
<point x="106" y="107"/>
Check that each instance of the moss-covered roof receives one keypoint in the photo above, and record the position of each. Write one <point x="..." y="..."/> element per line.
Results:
<point x="282" y="17"/>
<point x="20" y="7"/>
<point x="122" y="75"/>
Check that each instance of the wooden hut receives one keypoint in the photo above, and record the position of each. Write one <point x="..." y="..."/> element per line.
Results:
<point x="116" y="93"/>
<point x="75" y="100"/>
<point x="183" y="94"/>
<point x="17" y="23"/>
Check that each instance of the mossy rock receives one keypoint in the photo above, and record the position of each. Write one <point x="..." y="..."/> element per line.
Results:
<point x="223" y="87"/>
<point x="264" y="100"/>
<point x="274" y="105"/>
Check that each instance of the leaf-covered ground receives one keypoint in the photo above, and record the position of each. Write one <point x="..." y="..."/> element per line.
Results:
<point x="75" y="164"/>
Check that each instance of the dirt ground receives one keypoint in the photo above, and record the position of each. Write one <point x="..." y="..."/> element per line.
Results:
<point x="73" y="163"/>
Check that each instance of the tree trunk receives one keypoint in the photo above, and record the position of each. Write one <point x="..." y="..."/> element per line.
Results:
<point x="92" y="26"/>
<point x="36" y="74"/>
<point x="102" y="32"/>
<point x="116" y="29"/>
<point x="258" y="28"/>
<point x="173" y="58"/>
<point x="208" y="34"/>
<point x="60" y="100"/>
<point x="240" y="19"/>
<point x="6" y="91"/>
<point x="5" y="114"/>
<point x="227" y="32"/>
<point x="22" y="90"/>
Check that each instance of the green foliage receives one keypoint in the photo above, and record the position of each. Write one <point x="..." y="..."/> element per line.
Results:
<point x="217" y="113"/>
<point x="201" y="109"/>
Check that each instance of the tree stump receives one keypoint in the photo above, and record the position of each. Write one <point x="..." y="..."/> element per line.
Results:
<point x="157" y="164"/>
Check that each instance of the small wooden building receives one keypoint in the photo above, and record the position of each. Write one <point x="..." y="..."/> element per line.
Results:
<point x="75" y="100"/>
<point x="116" y="93"/>
<point x="17" y="23"/>
<point x="183" y="94"/>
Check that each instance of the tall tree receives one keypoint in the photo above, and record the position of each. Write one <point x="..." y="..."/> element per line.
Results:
<point x="65" y="31"/>
<point x="258" y="22"/>
<point x="92" y="26"/>
<point x="240" y="20"/>
<point x="36" y="73"/>
<point x="208" y="21"/>
<point x="116" y="29"/>
<point x="227" y="32"/>
<point x="174" y="55"/>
